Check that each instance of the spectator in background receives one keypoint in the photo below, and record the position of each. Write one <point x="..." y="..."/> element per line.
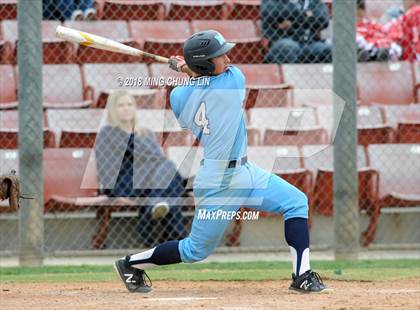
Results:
<point x="293" y="28"/>
<point x="406" y="31"/>
<point x="396" y="11"/>
<point x="373" y="41"/>
<point x="130" y="164"/>
<point x="69" y="10"/>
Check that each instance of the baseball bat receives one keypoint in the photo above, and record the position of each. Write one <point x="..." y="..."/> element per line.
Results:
<point x="95" y="41"/>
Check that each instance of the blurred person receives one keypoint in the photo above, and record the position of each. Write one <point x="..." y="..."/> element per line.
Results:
<point x="69" y="10"/>
<point x="293" y="30"/>
<point x="130" y="164"/>
<point x="406" y="31"/>
<point x="396" y="11"/>
<point x="373" y="40"/>
<point x="51" y="10"/>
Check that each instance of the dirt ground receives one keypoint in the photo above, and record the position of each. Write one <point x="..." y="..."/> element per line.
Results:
<point x="403" y="294"/>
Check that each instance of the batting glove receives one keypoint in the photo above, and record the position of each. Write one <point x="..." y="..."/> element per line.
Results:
<point x="176" y="63"/>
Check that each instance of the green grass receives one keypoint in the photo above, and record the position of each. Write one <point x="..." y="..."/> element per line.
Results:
<point x="363" y="270"/>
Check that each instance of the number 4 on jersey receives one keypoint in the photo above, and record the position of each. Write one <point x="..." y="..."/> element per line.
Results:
<point x="201" y="120"/>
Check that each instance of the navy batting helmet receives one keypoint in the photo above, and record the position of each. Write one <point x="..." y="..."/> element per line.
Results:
<point x="203" y="46"/>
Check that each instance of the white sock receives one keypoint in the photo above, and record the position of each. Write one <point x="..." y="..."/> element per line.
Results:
<point x="304" y="261"/>
<point x="143" y="259"/>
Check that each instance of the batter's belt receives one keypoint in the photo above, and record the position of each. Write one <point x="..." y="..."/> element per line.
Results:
<point x="231" y="163"/>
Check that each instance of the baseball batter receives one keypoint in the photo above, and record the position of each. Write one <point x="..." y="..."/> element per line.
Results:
<point x="214" y="112"/>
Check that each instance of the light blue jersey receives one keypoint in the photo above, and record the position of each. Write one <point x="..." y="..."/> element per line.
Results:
<point x="212" y="107"/>
<point x="214" y="113"/>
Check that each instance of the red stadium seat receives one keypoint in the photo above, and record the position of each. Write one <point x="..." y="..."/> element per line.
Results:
<point x="70" y="184"/>
<point x="6" y="52"/>
<point x="117" y="76"/>
<point x="386" y="83"/>
<point x="397" y="113"/>
<point x="77" y="139"/>
<point x="371" y="124"/>
<point x="132" y="9"/>
<point x="9" y="138"/>
<point x="312" y="83"/>
<point x="319" y="160"/>
<point x="261" y="74"/>
<point x="9" y="130"/>
<point x="370" y="116"/>
<point x="371" y="127"/>
<point x="8" y="9"/>
<point x="408" y="132"/>
<point x="405" y="118"/>
<point x="248" y="47"/>
<point x="326" y="121"/>
<point x="398" y="166"/>
<point x="295" y="137"/>
<point x="193" y="10"/>
<point x="289" y="120"/>
<point x="145" y="98"/>
<point x="275" y="159"/>
<point x="244" y="9"/>
<point x="10" y="119"/>
<point x="164" y="38"/>
<point x="158" y="120"/>
<point x="265" y="87"/>
<point x="174" y="138"/>
<point x="254" y="136"/>
<point x="280" y="95"/>
<point x="288" y="126"/>
<point x="115" y="30"/>
<point x="8" y="87"/>
<point x="55" y="51"/>
<point x="375" y="135"/>
<point x="76" y="127"/>
<point x="316" y="157"/>
<point x="70" y="181"/>
<point x="63" y="87"/>
<point x="67" y="175"/>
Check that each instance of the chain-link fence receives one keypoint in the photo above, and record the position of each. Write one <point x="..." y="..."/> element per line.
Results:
<point x="118" y="168"/>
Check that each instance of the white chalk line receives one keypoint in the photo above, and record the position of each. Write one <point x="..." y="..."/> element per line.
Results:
<point x="181" y="298"/>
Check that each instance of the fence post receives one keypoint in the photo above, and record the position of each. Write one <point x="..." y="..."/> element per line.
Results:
<point x="346" y="209"/>
<point x="31" y="223"/>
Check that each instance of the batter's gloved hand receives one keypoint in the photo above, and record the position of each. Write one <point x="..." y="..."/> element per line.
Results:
<point x="176" y="63"/>
<point x="10" y="189"/>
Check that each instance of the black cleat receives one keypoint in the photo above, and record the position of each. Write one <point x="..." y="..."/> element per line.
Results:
<point x="309" y="282"/>
<point x="133" y="278"/>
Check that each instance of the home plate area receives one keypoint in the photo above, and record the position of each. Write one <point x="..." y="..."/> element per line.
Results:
<point x="223" y="295"/>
